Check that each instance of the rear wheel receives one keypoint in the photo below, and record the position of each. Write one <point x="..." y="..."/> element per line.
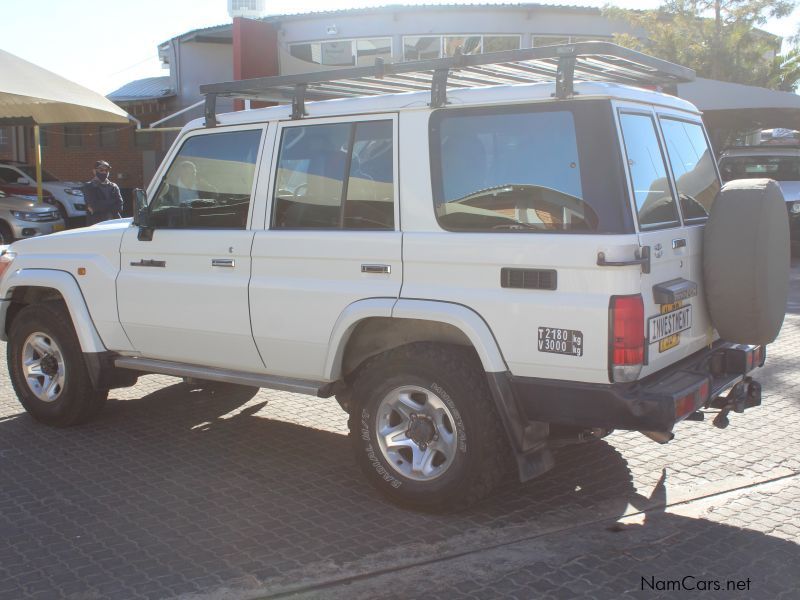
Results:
<point x="424" y="428"/>
<point x="47" y="369"/>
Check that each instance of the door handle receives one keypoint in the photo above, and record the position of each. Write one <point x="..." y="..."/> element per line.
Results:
<point x="642" y="259"/>
<point x="146" y="262"/>
<point x="223" y="262"/>
<point x="679" y="243"/>
<point x="377" y="269"/>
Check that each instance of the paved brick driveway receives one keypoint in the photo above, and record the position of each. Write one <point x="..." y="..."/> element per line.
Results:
<point x="178" y="492"/>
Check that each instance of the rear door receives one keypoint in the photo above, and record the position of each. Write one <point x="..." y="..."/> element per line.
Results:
<point x="332" y="236"/>
<point x="673" y="182"/>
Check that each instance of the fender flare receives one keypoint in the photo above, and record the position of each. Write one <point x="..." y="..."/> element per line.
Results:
<point x="65" y="284"/>
<point x="459" y="316"/>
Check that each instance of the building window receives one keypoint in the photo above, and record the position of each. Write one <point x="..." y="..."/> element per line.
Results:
<point x="5" y="138"/>
<point x="344" y="53"/>
<point x="552" y="40"/>
<point x="499" y="43"/>
<point x="419" y="47"/>
<point x="422" y="47"/>
<point x="108" y="136"/>
<point x="73" y="136"/>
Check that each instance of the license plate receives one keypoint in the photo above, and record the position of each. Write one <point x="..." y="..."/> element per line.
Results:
<point x="560" y="341"/>
<point x="666" y="327"/>
<point x="58" y="227"/>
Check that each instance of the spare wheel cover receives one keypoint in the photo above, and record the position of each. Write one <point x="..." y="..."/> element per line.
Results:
<point x="746" y="261"/>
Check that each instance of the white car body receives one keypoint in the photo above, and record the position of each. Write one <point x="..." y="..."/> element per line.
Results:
<point x="302" y="308"/>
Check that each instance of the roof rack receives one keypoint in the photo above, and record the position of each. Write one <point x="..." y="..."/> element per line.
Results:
<point x="587" y="61"/>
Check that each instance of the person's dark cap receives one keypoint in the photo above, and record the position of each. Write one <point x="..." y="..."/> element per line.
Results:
<point x="101" y="163"/>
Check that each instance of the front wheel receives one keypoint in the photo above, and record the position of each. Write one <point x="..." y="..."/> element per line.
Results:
<point x="424" y="427"/>
<point x="46" y="367"/>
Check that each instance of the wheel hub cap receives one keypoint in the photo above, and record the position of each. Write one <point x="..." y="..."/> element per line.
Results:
<point x="416" y="433"/>
<point x="43" y="366"/>
<point x="50" y="365"/>
<point x="421" y="430"/>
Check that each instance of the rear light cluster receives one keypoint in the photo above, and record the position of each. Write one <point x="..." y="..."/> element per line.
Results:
<point x="690" y="402"/>
<point x="626" y="337"/>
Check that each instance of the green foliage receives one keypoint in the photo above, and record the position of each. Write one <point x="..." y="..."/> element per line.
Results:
<point x="719" y="39"/>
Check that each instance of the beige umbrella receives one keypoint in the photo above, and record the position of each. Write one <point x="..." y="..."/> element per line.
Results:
<point x="31" y="94"/>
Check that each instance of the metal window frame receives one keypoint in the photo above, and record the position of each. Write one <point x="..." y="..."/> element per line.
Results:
<point x="588" y="61"/>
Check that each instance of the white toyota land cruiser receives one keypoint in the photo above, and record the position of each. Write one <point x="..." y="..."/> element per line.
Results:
<point x="478" y="274"/>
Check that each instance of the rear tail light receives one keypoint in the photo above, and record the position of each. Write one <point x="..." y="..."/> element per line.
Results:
<point x="626" y="337"/>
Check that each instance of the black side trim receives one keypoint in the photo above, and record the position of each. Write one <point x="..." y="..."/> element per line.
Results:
<point x="529" y="279"/>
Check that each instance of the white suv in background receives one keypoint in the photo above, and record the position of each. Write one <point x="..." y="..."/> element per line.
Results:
<point x="779" y="163"/>
<point x="477" y="275"/>
<point x="68" y="194"/>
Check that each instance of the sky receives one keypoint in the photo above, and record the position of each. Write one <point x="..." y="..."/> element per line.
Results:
<point x="103" y="45"/>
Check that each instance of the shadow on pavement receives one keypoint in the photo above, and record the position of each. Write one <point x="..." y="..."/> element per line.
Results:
<point x="177" y="492"/>
<point x="184" y="491"/>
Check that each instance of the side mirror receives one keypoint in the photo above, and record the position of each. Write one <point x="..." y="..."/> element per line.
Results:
<point x="140" y="207"/>
<point x="141" y="215"/>
<point x="24" y="181"/>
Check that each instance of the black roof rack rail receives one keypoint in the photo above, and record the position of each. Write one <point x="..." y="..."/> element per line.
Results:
<point x="587" y="61"/>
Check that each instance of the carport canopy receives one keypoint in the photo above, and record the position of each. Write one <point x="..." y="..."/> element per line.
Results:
<point x="733" y="106"/>
<point x="27" y="91"/>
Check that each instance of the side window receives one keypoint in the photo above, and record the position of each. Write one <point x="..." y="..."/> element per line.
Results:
<point x="209" y="183"/>
<point x="692" y="166"/>
<point x="655" y="204"/>
<point x="335" y="176"/>
<point x="8" y="175"/>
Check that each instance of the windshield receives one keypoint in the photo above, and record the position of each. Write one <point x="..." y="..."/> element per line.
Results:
<point x="31" y="172"/>
<point x="548" y="168"/>
<point x="779" y="168"/>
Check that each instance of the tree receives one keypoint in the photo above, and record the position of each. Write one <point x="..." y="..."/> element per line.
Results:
<point x="719" y="39"/>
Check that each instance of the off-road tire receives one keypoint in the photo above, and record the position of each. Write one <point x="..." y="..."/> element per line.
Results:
<point x="456" y="376"/>
<point x="62" y="210"/>
<point x="78" y="401"/>
<point x="6" y="235"/>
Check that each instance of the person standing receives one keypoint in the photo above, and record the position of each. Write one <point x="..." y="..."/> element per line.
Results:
<point x="102" y="196"/>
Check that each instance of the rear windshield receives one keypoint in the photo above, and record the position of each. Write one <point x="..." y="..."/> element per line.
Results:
<point x="779" y="168"/>
<point x="537" y="168"/>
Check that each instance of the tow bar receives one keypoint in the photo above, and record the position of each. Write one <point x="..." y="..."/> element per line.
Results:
<point x="745" y="394"/>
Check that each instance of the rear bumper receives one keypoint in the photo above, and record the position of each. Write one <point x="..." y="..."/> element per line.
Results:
<point x="655" y="403"/>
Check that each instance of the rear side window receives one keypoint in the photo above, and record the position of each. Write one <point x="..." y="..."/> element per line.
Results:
<point x="335" y="176"/>
<point x="540" y="168"/>
<point x="655" y="204"/>
<point x="692" y="165"/>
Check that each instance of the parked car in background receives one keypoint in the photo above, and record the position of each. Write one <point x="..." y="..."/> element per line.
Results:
<point x="26" y="192"/>
<point x="24" y="218"/>
<point x="67" y="196"/>
<point x="769" y="162"/>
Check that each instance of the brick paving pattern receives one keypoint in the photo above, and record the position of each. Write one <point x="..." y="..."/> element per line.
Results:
<point x="179" y="492"/>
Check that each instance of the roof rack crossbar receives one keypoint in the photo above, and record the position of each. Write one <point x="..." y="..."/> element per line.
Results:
<point x="591" y="61"/>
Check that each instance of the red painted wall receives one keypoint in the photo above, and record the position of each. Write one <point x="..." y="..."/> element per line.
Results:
<point x="255" y="51"/>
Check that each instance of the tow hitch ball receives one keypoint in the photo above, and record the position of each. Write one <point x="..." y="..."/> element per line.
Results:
<point x="745" y="394"/>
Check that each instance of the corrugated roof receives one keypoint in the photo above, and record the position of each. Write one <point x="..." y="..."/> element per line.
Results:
<point x="411" y="7"/>
<point x="150" y="88"/>
<point x="384" y="8"/>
